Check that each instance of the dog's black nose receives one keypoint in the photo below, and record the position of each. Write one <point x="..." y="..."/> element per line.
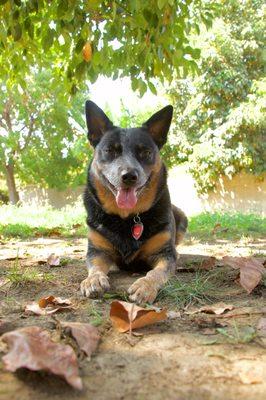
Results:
<point x="129" y="177"/>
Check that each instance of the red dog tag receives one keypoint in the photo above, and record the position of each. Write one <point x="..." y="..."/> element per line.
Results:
<point x="137" y="231"/>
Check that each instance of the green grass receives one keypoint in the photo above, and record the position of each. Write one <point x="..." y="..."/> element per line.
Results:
<point x="233" y="226"/>
<point x="27" y="221"/>
<point x="19" y="276"/>
<point x="198" y="290"/>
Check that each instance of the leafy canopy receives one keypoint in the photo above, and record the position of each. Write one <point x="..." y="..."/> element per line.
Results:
<point x="42" y="132"/>
<point x="78" y="39"/>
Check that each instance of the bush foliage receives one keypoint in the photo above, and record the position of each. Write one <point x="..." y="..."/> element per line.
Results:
<point x="220" y="120"/>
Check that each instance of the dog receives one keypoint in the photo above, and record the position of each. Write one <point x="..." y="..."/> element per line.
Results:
<point x="131" y="221"/>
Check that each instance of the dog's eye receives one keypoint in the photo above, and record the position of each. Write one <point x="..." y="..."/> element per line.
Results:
<point x="145" y="153"/>
<point x="109" y="150"/>
<point x="112" y="150"/>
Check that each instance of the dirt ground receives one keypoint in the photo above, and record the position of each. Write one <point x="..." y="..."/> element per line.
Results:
<point x="181" y="358"/>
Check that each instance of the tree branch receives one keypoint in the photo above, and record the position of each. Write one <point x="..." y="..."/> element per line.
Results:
<point x="29" y="136"/>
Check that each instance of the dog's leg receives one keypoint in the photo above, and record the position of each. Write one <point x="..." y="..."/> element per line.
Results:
<point x="100" y="258"/>
<point x="181" y="223"/>
<point x="97" y="281"/>
<point x="160" y="253"/>
<point x="145" y="289"/>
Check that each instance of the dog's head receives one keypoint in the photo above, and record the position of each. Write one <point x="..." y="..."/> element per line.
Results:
<point x="126" y="159"/>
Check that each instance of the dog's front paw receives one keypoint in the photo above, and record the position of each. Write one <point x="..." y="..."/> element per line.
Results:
<point x="143" y="291"/>
<point x="96" y="284"/>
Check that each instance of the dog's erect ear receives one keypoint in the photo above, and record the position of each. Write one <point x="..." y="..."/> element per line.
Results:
<point x="97" y="122"/>
<point x="158" y="125"/>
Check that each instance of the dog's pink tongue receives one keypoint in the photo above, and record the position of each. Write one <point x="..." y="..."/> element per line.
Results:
<point x="126" y="198"/>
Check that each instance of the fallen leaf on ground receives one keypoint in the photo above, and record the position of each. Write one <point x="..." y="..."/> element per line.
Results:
<point x="54" y="232"/>
<point x="41" y="262"/>
<point x="208" y="264"/>
<point x="217" y="309"/>
<point x="14" y="258"/>
<point x="86" y="335"/>
<point x="251" y="270"/>
<point x="32" y="348"/>
<point x="261" y="327"/>
<point x="53" y="260"/>
<point x="76" y="226"/>
<point x="204" y="322"/>
<point x="127" y="316"/>
<point x="49" y="305"/>
<point x="216" y="228"/>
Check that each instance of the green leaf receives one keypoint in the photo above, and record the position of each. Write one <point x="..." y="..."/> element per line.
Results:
<point x="142" y="88"/>
<point x="17" y="32"/>
<point x="152" y="88"/>
<point x="97" y="58"/>
<point x="162" y="3"/>
<point x="48" y="39"/>
<point x="114" y="10"/>
<point x="134" y="84"/>
<point x="79" y="45"/>
<point x="62" y="8"/>
<point x="15" y="15"/>
<point x="29" y="27"/>
<point x="80" y="69"/>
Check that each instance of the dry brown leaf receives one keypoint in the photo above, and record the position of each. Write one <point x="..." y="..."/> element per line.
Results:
<point x="87" y="51"/>
<point x="208" y="263"/>
<point x="49" y="305"/>
<point x="251" y="270"/>
<point x="53" y="260"/>
<point x="216" y="228"/>
<point x="41" y="262"/>
<point x="76" y="226"/>
<point x="86" y="335"/>
<point x="32" y="348"/>
<point x="217" y="309"/>
<point x="127" y="316"/>
<point x="55" y="232"/>
<point x="14" y="258"/>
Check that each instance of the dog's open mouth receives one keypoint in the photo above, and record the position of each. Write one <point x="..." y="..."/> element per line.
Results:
<point x="126" y="198"/>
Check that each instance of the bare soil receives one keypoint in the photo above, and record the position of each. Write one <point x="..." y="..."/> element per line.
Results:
<point x="181" y="358"/>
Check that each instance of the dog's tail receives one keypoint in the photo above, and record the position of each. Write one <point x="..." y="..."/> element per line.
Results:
<point x="181" y="223"/>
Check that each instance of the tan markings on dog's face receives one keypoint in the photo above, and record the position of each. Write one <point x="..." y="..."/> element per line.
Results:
<point x="154" y="244"/>
<point x="100" y="242"/>
<point x="145" y="200"/>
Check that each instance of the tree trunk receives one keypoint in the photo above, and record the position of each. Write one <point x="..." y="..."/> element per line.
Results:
<point x="11" y="184"/>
